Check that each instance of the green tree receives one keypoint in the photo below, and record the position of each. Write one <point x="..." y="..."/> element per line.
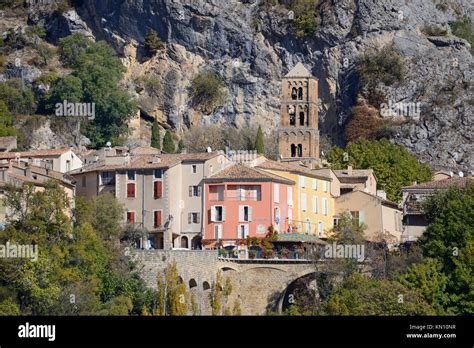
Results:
<point x="428" y="279"/>
<point x="67" y="88"/>
<point x="6" y="122"/>
<point x="20" y="100"/>
<point x="71" y="47"/>
<point x="152" y="43"/>
<point x="168" y="143"/>
<point x="155" y="135"/>
<point x="305" y="17"/>
<point x="360" y="295"/>
<point x="383" y="65"/>
<point x="393" y="165"/>
<point x="45" y="52"/>
<point x="259" y="141"/>
<point x="207" y="91"/>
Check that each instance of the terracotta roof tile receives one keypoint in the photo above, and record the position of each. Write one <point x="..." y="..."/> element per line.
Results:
<point x="281" y="166"/>
<point x="441" y="184"/>
<point x="246" y="173"/>
<point x="34" y="153"/>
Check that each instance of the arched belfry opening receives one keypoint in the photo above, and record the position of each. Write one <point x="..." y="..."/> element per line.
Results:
<point x="299" y="113"/>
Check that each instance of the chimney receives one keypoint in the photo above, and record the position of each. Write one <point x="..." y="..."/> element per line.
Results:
<point x="349" y="170"/>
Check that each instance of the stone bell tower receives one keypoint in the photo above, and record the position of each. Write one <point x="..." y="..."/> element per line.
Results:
<point x="298" y="133"/>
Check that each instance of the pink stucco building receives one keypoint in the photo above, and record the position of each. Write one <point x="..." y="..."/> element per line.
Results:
<point x="241" y="201"/>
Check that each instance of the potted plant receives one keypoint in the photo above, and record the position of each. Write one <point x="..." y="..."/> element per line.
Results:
<point x="284" y="253"/>
<point x="300" y="252"/>
<point x="252" y="254"/>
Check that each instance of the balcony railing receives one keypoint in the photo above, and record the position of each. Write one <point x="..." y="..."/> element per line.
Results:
<point x="235" y="198"/>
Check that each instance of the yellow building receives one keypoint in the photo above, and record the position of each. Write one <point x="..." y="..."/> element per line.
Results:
<point x="313" y="205"/>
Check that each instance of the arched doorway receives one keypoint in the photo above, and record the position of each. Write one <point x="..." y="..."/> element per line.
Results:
<point x="184" y="242"/>
<point x="192" y="283"/>
<point x="196" y="243"/>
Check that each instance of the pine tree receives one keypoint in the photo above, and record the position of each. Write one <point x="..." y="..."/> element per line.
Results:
<point x="259" y="142"/>
<point x="168" y="143"/>
<point x="152" y="42"/>
<point x="155" y="136"/>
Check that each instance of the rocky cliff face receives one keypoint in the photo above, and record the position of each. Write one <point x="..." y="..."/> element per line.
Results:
<point x="251" y="45"/>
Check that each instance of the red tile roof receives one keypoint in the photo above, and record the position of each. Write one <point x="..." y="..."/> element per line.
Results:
<point x="34" y="153"/>
<point x="441" y="184"/>
<point x="288" y="167"/>
<point x="240" y="172"/>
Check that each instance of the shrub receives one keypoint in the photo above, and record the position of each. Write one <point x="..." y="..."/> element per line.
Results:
<point x="45" y="52"/>
<point x="37" y="30"/>
<point x="71" y="47"/>
<point x="434" y="30"/>
<point x="152" y="43"/>
<point x="364" y="123"/>
<point x="305" y="17"/>
<point x="207" y="91"/>
<point x="464" y="29"/>
<point x="383" y="65"/>
<point x="19" y="99"/>
<point x="155" y="136"/>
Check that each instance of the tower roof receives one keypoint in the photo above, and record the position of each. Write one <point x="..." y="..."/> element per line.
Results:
<point x="299" y="71"/>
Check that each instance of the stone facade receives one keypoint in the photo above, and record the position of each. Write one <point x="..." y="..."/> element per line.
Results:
<point x="259" y="285"/>
<point x="298" y="134"/>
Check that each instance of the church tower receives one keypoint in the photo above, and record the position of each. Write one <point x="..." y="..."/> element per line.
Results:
<point x="298" y="133"/>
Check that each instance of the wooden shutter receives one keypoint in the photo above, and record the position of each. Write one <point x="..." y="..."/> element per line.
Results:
<point x="213" y="213"/>
<point x="199" y="191"/>
<point x="241" y="212"/>
<point x="157" y="218"/>
<point x="198" y="218"/>
<point x="190" y="218"/>
<point x="130" y="190"/>
<point x="131" y="217"/>
<point x="223" y="213"/>
<point x="250" y="213"/>
<point x="158" y="189"/>
<point x="190" y="191"/>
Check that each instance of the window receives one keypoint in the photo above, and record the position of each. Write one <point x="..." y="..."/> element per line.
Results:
<point x="131" y="175"/>
<point x="293" y="150"/>
<point x="83" y="181"/>
<point x="217" y="232"/>
<point x="130" y="190"/>
<point x="130" y="217"/>
<point x="302" y="118"/>
<point x="157" y="218"/>
<point x="315" y="204"/>
<point x="303" y="202"/>
<point x="68" y="165"/>
<point x="194" y="191"/>
<point x="217" y="213"/>
<point x="242" y="231"/>
<point x="315" y="184"/>
<point x="300" y="150"/>
<point x="276" y="193"/>
<point x="325" y="206"/>
<point x="245" y="213"/>
<point x="355" y="215"/>
<point x="294" y="93"/>
<point x="307" y="228"/>
<point x="300" y="93"/>
<point x="157" y="189"/>
<point x="106" y="178"/>
<point x="289" y="194"/>
<point x="194" y="168"/>
<point x="158" y="173"/>
<point x="302" y="182"/>
<point x="194" y="218"/>
<point x="320" y="228"/>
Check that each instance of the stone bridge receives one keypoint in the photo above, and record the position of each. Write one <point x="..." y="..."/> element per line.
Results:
<point x="259" y="285"/>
